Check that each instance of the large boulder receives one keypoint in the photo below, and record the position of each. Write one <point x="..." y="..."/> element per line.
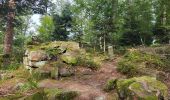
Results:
<point x="38" y="55"/>
<point x="143" y="88"/>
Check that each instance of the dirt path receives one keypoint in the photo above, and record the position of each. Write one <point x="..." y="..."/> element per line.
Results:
<point x="89" y="86"/>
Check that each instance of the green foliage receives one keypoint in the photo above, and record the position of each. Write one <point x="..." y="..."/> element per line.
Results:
<point x="13" y="66"/>
<point x="30" y="85"/>
<point x="46" y="28"/>
<point x="66" y="95"/>
<point x="53" y="52"/>
<point x="40" y="75"/>
<point x="128" y="68"/>
<point x="120" y="50"/>
<point x="63" y="24"/>
<point x="110" y="85"/>
<point x="133" y="62"/>
<point x="87" y="62"/>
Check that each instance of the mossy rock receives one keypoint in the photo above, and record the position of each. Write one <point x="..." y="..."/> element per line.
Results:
<point x="69" y="59"/>
<point x="41" y="74"/>
<point x="143" y="88"/>
<point x="110" y="85"/>
<point x="57" y="94"/>
<point x="39" y="94"/>
<point x="55" y="44"/>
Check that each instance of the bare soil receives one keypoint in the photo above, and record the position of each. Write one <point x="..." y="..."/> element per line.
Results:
<point x="90" y="86"/>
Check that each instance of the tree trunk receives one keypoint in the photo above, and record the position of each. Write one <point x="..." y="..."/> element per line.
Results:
<point x="104" y="43"/>
<point x="8" y="40"/>
<point x="101" y="47"/>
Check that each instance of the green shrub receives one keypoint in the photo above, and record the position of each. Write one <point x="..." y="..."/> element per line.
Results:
<point x="120" y="50"/>
<point x="110" y="85"/>
<point x="127" y="67"/>
<point x="13" y="66"/>
<point x="90" y="63"/>
<point x="134" y="62"/>
<point x="31" y="84"/>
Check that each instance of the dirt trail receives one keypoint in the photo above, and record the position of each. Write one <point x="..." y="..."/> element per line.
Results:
<point x="90" y="86"/>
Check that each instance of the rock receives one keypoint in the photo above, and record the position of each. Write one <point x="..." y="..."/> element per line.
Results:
<point x="25" y="62"/>
<point x="66" y="72"/>
<point x="62" y="49"/>
<point x="18" y="86"/>
<point x="47" y="71"/>
<point x="36" y="95"/>
<point x="145" y="88"/>
<point x="26" y="53"/>
<point x="54" y="73"/>
<point x="84" y="71"/>
<point x="39" y="64"/>
<point x="42" y="60"/>
<point x="69" y="58"/>
<point x="38" y="55"/>
<point x="110" y="85"/>
<point x="41" y="74"/>
<point x="57" y="94"/>
<point x="100" y="98"/>
<point x="110" y="52"/>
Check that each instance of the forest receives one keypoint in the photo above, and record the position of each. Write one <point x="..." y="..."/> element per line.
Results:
<point x="84" y="50"/>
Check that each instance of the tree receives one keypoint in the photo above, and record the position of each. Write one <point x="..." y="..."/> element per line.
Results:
<point x="46" y="28"/>
<point x="9" y="9"/>
<point x="162" y="23"/>
<point x="138" y="22"/>
<point x="101" y="15"/>
<point x="63" y="24"/>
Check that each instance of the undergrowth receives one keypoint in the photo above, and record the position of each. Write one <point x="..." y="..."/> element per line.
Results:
<point x="133" y="62"/>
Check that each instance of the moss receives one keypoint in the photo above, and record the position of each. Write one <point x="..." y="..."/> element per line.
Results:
<point x="127" y="67"/>
<point x="89" y="62"/>
<point x="29" y="85"/>
<point x="54" y="73"/>
<point x="155" y="85"/>
<point x="122" y="87"/>
<point x="144" y="88"/>
<point x="57" y="94"/>
<point x="12" y="97"/>
<point x="134" y="61"/>
<point x="68" y="59"/>
<point x="110" y="85"/>
<point x="52" y="51"/>
<point x="38" y="94"/>
<point x="41" y="74"/>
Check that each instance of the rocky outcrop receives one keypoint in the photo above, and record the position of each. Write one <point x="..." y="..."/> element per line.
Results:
<point x="51" y="59"/>
<point x="139" y="88"/>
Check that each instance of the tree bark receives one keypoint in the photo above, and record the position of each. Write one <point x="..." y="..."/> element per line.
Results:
<point x="104" y="43"/>
<point x="8" y="40"/>
<point x="101" y="47"/>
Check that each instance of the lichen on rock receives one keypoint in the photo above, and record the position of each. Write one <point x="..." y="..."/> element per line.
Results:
<point x="145" y="88"/>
